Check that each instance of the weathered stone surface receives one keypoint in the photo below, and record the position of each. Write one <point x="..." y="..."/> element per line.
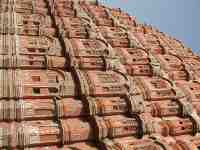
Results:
<point x="76" y="75"/>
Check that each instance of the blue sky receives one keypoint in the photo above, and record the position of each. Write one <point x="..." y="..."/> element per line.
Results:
<point x="178" y="18"/>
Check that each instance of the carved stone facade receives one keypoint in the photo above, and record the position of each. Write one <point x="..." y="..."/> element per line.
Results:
<point x="76" y="75"/>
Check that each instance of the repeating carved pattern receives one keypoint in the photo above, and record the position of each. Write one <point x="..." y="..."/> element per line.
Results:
<point x="77" y="75"/>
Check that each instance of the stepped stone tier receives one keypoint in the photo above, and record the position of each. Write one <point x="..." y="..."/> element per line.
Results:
<point x="77" y="75"/>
